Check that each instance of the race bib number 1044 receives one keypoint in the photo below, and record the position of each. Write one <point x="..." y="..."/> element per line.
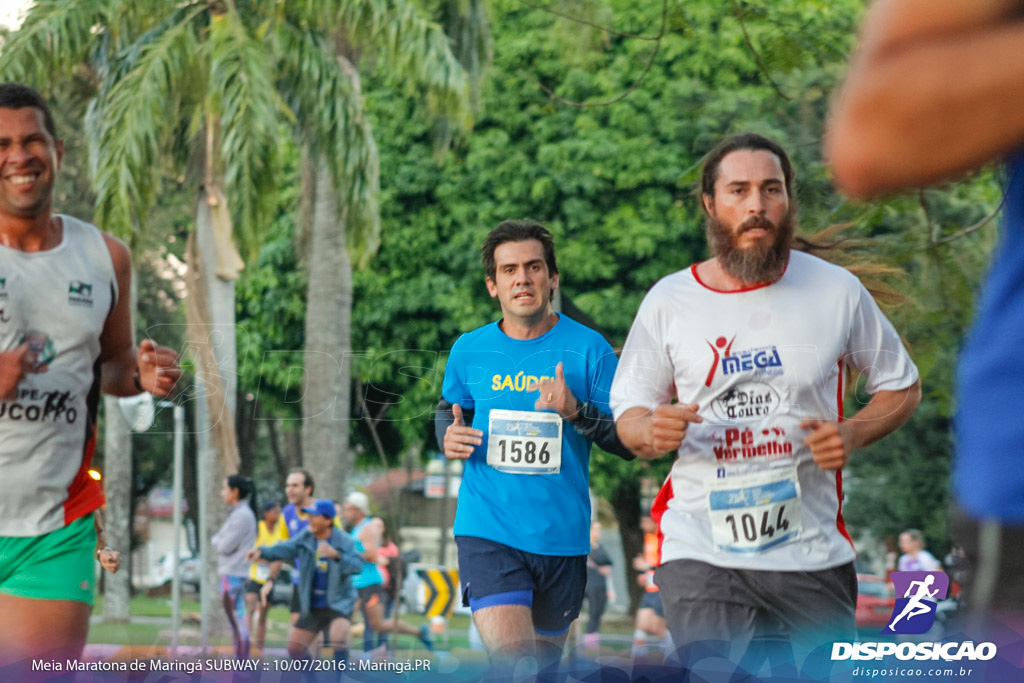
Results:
<point x="754" y="512"/>
<point x="524" y="442"/>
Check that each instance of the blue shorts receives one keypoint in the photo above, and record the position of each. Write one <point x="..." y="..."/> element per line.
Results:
<point x="552" y="586"/>
<point x="652" y="600"/>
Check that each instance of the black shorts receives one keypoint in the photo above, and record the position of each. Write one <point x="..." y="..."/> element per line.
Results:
<point x="294" y="607"/>
<point x="551" y="586"/>
<point x="704" y="602"/>
<point x="253" y="586"/>
<point x="371" y="595"/>
<point x="319" y="619"/>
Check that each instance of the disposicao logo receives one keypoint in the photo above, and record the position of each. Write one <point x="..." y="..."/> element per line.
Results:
<point x="914" y="613"/>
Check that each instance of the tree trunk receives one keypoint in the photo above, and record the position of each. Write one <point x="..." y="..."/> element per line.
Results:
<point x="326" y="396"/>
<point x="117" y="518"/>
<point x="210" y="314"/>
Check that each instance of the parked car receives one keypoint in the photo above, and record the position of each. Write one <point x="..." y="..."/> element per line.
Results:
<point x="875" y="601"/>
<point x="189" y="572"/>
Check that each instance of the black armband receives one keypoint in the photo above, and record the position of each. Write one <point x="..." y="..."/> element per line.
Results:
<point x="444" y="417"/>
<point x="598" y="427"/>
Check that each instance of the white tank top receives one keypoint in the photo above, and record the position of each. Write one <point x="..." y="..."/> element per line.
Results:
<point x="58" y="301"/>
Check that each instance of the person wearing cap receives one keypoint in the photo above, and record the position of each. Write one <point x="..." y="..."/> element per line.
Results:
<point x="366" y="531"/>
<point x="270" y="530"/>
<point x="326" y="559"/>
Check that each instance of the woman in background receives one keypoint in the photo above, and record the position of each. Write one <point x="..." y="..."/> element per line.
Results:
<point x="232" y="541"/>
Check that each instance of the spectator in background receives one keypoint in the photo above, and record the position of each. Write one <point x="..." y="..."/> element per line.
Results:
<point x="366" y="532"/>
<point x="232" y="541"/>
<point x="392" y="572"/>
<point x="599" y="585"/>
<point x="650" y="615"/>
<point x="271" y="530"/>
<point x="915" y="558"/>
<point x="326" y="559"/>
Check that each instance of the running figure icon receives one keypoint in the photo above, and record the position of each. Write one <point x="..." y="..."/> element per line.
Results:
<point x="915" y="606"/>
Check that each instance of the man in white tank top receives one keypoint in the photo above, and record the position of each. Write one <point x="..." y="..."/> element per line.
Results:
<point x="754" y="343"/>
<point x="66" y="334"/>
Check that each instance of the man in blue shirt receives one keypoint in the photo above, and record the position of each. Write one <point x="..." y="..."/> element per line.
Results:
<point x="522" y="401"/>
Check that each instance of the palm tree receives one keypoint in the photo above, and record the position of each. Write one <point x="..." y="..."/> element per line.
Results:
<point x="203" y="87"/>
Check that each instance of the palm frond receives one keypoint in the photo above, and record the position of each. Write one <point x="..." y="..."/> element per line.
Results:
<point x="413" y="48"/>
<point x="130" y="122"/>
<point x="242" y="95"/>
<point x="466" y="24"/>
<point x="55" y="38"/>
<point x="327" y="102"/>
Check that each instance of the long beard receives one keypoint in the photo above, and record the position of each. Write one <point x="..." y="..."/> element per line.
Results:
<point x="764" y="261"/>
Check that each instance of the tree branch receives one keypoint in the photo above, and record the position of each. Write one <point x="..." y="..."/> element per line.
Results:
<point x="757" y="56"/>
<point x="647" y="67"/>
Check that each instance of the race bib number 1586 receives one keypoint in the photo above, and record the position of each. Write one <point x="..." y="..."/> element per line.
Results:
<point x="524" y="442"/>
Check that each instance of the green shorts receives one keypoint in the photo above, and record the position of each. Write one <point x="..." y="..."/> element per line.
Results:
<point x="60" y="565"/>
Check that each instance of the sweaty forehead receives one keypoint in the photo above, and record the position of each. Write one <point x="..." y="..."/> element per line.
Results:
<point x="749" y="166"/>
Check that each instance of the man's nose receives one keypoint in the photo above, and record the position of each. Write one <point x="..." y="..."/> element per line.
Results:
<point x="755" y="203"/>
<point x="17" y="153"/>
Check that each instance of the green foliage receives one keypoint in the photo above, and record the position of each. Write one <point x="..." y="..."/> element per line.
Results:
<point x="616" y="184"/>
<point x="271" y="309"/>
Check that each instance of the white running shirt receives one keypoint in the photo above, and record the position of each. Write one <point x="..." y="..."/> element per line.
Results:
<point x="744" y="492"/>
<point x="57" y="300"/>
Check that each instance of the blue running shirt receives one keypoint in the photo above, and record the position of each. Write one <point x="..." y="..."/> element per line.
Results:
<point x="544" y="514"/>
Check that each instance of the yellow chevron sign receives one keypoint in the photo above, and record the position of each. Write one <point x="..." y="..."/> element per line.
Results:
<point x="441" y="586"/>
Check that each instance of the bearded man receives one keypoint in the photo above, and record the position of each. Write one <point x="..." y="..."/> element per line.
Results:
<point x="736" y="365"/>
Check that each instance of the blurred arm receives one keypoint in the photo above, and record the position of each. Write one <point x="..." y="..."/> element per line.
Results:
<point x="936" y="88"/>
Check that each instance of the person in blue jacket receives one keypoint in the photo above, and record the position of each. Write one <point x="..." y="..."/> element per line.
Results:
<point x="327" y="560"/>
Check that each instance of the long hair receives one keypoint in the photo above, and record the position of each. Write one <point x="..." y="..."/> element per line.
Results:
<point x="246" y="490"/>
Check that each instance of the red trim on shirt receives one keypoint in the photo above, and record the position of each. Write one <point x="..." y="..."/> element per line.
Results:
<point x="85" y="493"/>
<point x="693" y="269"/>
<point x="840" y="522"/>
<point x="658" y="507"/>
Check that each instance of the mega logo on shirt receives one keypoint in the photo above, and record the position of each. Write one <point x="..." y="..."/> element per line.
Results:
<point x="757" y="360"/>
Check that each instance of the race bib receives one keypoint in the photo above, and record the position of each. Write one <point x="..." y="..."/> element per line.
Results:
<point x="753" y="512"/>
<point x="524" y="442"/>
<point x="262" y="572"/>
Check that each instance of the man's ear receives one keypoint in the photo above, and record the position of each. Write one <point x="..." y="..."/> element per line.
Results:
<point x="492" y="288"/>
<point x="709" y="203"/>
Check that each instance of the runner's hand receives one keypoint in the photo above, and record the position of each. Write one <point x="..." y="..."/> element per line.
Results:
<point x="325" y="550"/>
<point x="669" y="424"/>
<point x="14" y="366"/>
<point x="556" y="395"/>
<point x="158" y="367"/>
<point x="830" y="443"/>
<point x="110" y="559"/>
<point x="459" y="440"/>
